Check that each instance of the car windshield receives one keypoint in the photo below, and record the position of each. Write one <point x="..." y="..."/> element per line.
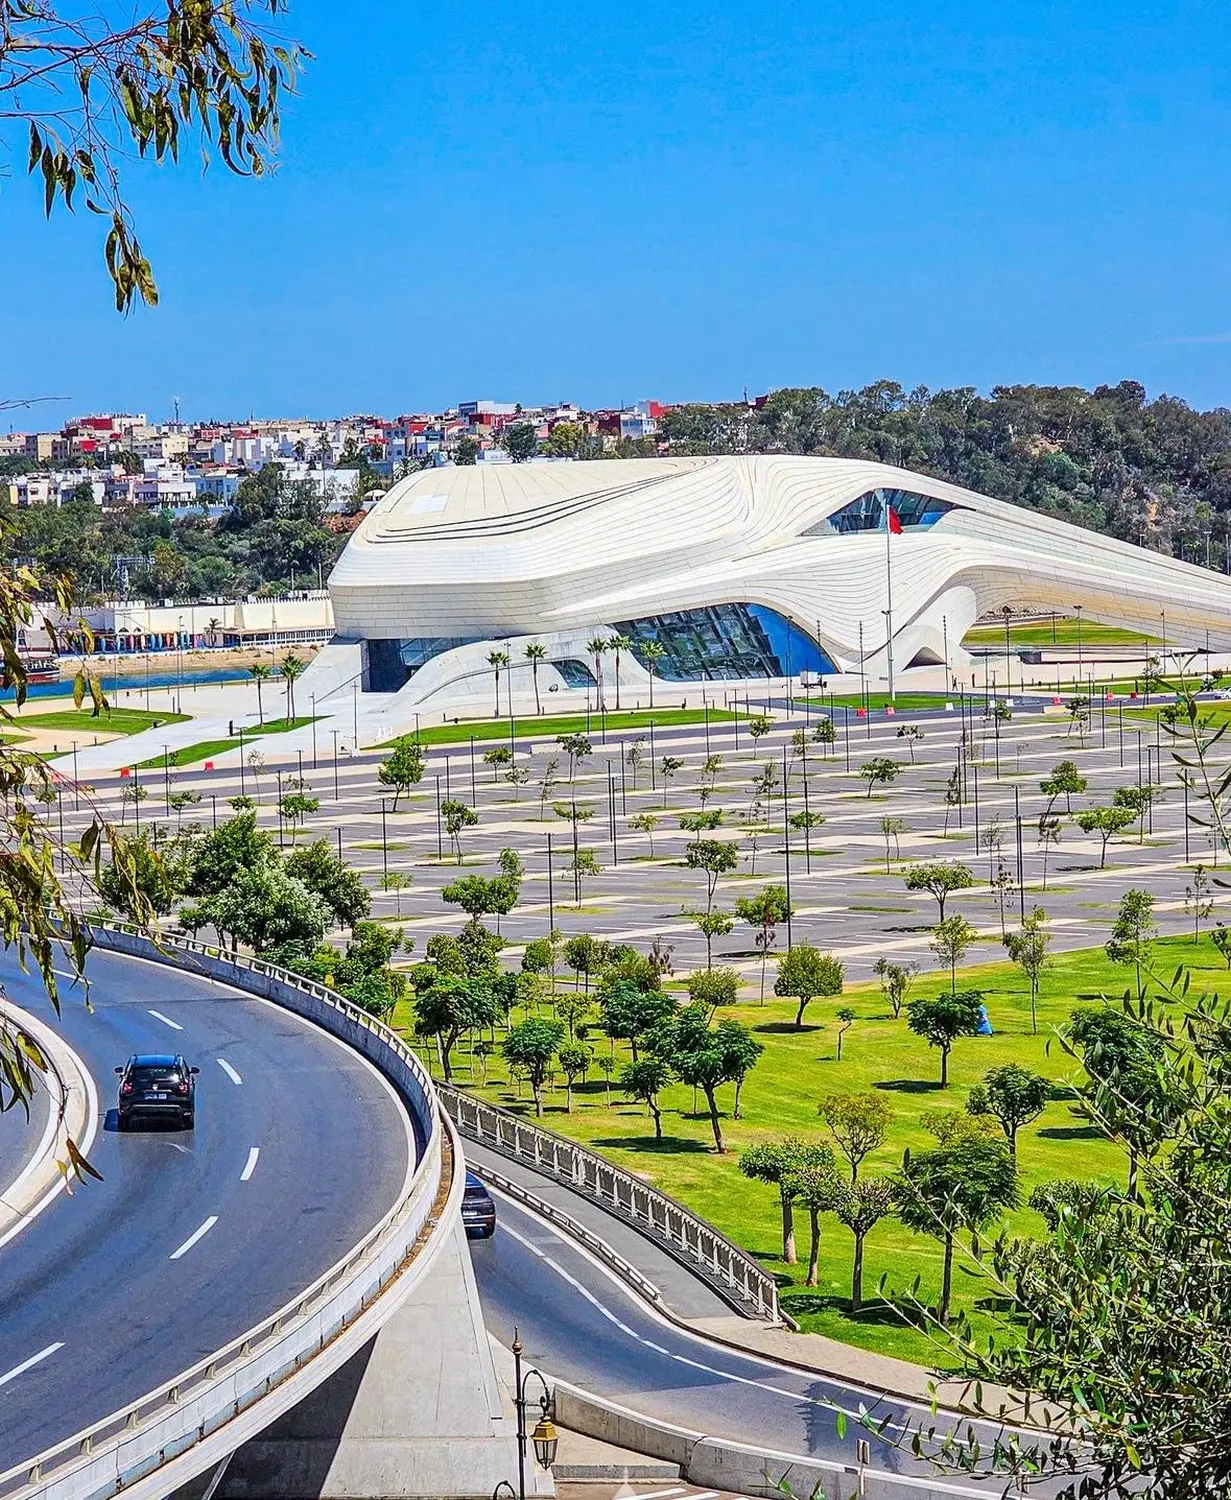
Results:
<point x="144" y="1077"/>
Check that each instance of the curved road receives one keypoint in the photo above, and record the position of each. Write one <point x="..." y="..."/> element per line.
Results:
<point x="580" y="1324"/>
<point x="192" y="1237"/>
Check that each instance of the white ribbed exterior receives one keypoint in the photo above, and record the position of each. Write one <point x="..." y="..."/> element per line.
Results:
<point x="555" y="551"/>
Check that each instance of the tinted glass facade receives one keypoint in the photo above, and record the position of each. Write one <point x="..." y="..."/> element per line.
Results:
<point x="391" y="664"/>
<point x="867" y="513"/>
<point x="724" y="641"/>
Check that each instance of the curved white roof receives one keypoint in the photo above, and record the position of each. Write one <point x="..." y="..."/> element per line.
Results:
<point x="519" y="549"/>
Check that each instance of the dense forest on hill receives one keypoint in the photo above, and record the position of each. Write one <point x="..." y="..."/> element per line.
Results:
<point x="1153" y="472"/>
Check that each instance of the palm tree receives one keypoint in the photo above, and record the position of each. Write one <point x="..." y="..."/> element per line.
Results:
<point x="535" y="653"/>
<point x="259" y="671"/>
<point x="653" y="651"/>
<point x="292" y="667"/>
<point x="596" y="646"/>
<point x="619" y="643"/>
<point x="498" y="659"/>
<point x="211" y="629"/>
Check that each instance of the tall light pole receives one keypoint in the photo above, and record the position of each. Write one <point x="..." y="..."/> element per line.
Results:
<point x="544" y="1437"/>
<point x="1078" y="608"/>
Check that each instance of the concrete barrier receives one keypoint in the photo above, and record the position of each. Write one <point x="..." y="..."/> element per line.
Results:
<point x="718" y="1463"/>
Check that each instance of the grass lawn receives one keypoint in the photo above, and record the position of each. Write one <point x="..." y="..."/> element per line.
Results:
<point x="879" y="701"/>
<point x="1040" y="633"/>
<point x="207" y="749"/>
<point x="799" y="1068"/>
<point x="550" y="725"/>
<point x="111" y="721"/>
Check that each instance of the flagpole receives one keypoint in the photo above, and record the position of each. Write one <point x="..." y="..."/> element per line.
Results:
<point x="889" y="599"/>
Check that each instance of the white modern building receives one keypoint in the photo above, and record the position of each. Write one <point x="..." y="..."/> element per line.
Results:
<point x="735" y="569"/>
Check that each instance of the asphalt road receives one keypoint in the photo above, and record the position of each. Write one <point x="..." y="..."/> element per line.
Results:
<point x="192" y="1237"/>
<point x="579" y="1324"/>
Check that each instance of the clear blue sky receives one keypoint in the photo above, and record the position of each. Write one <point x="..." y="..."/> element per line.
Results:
<point x="673" y="201"/>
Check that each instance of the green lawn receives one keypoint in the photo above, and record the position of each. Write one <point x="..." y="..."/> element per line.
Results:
<point x="113" y="721"/>
<point x="879" y="701"/>
<point x="799" y="1068"/>
<point x="1040" y="633"/>
<point x="207" y="749"/>
<point x="550" y="725"/>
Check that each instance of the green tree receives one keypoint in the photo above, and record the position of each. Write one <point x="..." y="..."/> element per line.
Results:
<point x="220" y="856"/>
<point x="145" y="881"/>
<point x="466" y="451"/>
<point x="940" y="878"/>
<point x="645" y="1080"/>
<point x="777" y="1163"/>
<point x="1014" y="1095"/>
<point x="267" y="908"/>
<point x="805" y="974"/>
<point x="716" y="858"/>
<point x="472" y="893"/>
<point x="880" y="771"/>
<point x="1197" y="900"/>
<point x="497" y="660"/>
<point x="713" y="988"/>
<point x="950" y="941"/>
<point x="618" y="644"/>
<point x="451" y="1005"/>
<point x="764" y="912"/>
<point x="402" y="769"/>
<point x="584" y="955"/>
<point x="965" y="1185"/>
<point x="667" y="769"/>
<point x="705" y="1057"/>
<point x="861" y="1207"/>
<point x="630" y="1013"/>
<point x="1028" y="949"/>
<point x="535" y="654"/>
<point x="1106" y="822"/>
<point x="295" y="805"/>
<point x="260" y="672"/>
<point x="578" y="748"/>
<point x="1066" y="781"/>
<point x="457" y="817"/>
<point x="575" y="1063"/>
<point x="531" y="1045"/>
<point x="597" y="646"/>
<point x="652" y="653"/>
<point x="912" y="734"/>
<point x="858" y="1122"/>
<point x="335" y="882"/>
<point x="497" y="757"/>
<point x="895" y="981"/>
<point x="292" y="668"/>
<point x="713" y="923"/>
<point x="817" y="1189"/>
<point x="646" y="822"/>
<point x="520" y="441"/>
<point x="218" y="82"/>
<point x="892" y="829"/>
<point x="941" y="1019"/>
<point x="1132" y="937"/>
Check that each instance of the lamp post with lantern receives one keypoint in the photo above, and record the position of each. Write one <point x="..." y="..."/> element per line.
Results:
<point x="544" y="1437"/>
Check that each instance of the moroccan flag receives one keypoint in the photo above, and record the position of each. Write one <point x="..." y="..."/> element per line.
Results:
<point x="895" y="526"/>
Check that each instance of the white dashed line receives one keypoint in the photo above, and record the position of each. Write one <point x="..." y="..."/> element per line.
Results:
<point x="250" y="1164"/>
<point x="663" y="1494"/>
<point x="229" y="1071"/>
<point x="194" y="1237"/>
<point x="166" y="1020"/>
<point x="28" y="1364"/>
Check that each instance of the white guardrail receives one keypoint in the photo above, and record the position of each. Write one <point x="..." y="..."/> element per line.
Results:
<point x="690" y="1240"/>
<point x="113" y="1455"/>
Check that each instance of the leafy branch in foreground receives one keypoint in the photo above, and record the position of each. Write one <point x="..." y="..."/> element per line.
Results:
<point x="38" y="917"/>
<point x="93" y="87"/>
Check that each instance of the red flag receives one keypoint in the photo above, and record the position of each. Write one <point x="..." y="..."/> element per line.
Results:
<point x="895" y="526"/>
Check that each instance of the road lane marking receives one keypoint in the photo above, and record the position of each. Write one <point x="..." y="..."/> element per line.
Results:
<point x="194" y="1237"/>
<point x="250" y="1165"/>
<point x="28" y="1364"/>
<point x="166" y="1020"/>
<point x="229" y="1071"/>
<point x="663" y="1494"/>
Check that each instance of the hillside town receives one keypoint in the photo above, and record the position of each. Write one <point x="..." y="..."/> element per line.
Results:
<point x="119" y="459"/>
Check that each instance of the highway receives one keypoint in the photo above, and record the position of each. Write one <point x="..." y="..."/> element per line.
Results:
<point x="580" y="1324"/>
<point x="192" y="1237"/>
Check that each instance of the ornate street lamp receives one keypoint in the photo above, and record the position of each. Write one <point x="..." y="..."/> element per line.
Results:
<point x="545" y="1438"/>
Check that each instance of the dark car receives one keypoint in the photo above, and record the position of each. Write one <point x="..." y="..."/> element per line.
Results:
<point x="158" y="1086"/>
<point x="478" y="1210"/>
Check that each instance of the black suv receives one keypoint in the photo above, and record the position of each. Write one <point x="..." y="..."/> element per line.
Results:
<point x="158" y="1086"/>
<point x="478" y="1210"/>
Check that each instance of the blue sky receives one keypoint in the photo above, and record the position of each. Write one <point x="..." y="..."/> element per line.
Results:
<point x="530" y="203"/>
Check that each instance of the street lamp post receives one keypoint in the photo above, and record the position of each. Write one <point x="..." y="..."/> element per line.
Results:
<point x="1007" y="612"/>
<point x="544" y="1437"/>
